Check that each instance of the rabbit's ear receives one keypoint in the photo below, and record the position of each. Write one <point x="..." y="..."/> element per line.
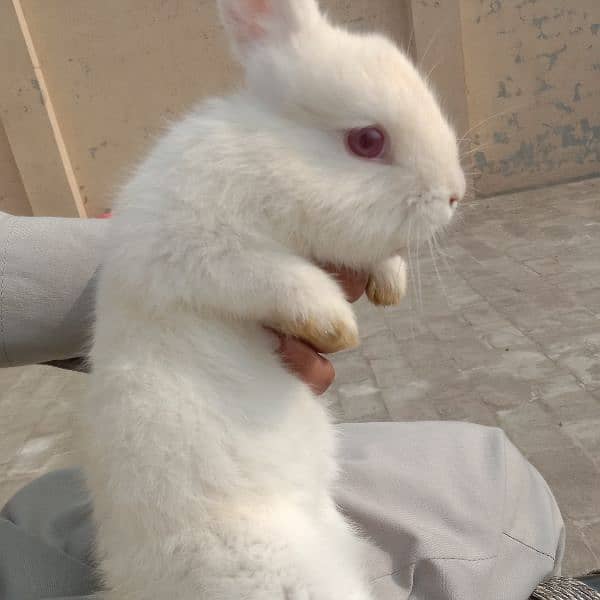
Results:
<point x="252" y="23"/>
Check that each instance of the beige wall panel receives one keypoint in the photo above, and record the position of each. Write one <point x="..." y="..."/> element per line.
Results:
<point x="118" y="72"/>
<point x="24" y="113"/>
<point x="438" y="52"/>
<point x="535" y="64"/>
<point x="13" y="198"/>
<point x="392" y="17"/>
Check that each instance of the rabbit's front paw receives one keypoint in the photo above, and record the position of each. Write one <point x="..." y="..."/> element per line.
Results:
<point x="318" y="313"/>
<point x="387" y="283"/>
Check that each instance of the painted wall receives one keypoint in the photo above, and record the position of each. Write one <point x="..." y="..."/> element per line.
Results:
<point x="533" y="82"/>
<point x="13" y="198"/>
<point x="437" y="49"/>
<point x="30" y="123"/>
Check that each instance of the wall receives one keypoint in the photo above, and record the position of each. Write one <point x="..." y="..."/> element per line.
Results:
<point x="533" y="83"/>
<point x="438" y="51"/>
<point x="13" y="198"/>
<point x="30" y="122"/>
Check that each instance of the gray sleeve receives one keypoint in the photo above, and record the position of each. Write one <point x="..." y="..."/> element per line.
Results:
<point x="47" y="267"/>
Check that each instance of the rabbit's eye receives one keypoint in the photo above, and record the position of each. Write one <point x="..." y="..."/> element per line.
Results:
<point x="367" y="142"/>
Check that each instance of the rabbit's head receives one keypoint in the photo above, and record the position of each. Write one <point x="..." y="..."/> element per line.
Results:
<point x="357" y="141"/>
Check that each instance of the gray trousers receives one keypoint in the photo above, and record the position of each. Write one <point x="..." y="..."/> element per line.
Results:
<point x="453" y="511"/>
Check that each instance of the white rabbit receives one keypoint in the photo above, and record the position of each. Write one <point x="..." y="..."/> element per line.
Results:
<point x="209" y="464"/>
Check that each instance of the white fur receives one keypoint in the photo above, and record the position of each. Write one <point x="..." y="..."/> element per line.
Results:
<point x="210" y="465"/>
<point x="387" y="282"/>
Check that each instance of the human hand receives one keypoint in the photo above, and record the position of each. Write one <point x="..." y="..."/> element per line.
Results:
<point x="304" y="360"/>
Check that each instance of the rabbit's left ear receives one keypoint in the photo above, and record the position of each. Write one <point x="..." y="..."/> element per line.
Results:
<point x="252" y="23"/>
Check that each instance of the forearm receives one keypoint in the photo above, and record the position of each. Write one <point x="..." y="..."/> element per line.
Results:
<point x="47" y="267"/>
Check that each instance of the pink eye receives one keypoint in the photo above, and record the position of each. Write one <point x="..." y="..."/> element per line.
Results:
<point x="367" y="142"/>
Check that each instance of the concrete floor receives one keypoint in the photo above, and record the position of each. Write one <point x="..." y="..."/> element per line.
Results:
<point x="509" y="337"/>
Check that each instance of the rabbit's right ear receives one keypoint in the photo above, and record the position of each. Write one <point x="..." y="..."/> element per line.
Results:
<point x="254" y="23"/>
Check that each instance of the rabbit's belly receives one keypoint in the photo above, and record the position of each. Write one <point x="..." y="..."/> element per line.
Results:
<point x="288" y="555"/>
<point x="303" y="559"/>
<point x="202" y="417"/>
<point x="228" y="470"/>
<point x="279" y="436"/>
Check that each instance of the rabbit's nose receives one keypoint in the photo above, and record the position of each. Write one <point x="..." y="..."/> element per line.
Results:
<point x="453" y="201"/>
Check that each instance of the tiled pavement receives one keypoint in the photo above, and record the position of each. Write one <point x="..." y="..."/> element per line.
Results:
<point x="509" y="337"/>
